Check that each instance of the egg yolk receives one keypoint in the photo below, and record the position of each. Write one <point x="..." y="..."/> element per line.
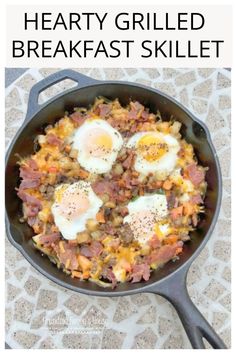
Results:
<point x="152" y="148"/>
<point x="73" y="205"/>
<point x="98" y="143"/>
<point x="161" y="230"/>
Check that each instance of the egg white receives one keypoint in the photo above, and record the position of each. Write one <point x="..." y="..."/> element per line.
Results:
<point x="69" y="228"/>
<point x="165" y="164"/>
<point x="156" y="204"/>
<point x="91" y="163"/>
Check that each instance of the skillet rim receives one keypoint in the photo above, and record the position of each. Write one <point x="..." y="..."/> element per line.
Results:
<point x="182" y="268"/>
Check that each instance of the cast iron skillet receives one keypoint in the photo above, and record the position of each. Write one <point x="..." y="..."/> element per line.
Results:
<point x="170" y="281"/>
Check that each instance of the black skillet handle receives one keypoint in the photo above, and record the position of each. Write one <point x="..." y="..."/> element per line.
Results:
<point x="34" y="106"/>
<point x="174" y="290"/>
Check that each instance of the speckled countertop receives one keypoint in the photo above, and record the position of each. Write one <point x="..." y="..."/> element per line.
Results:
<point x="40" y="314"/>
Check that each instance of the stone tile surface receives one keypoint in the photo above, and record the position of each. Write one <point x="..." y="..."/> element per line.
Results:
<point x="47" y="300"/>
<point x="32" y="285"/>
<point x="40" y="314"/>
<point x="112" y="339"/>
<point x="38" y="321"/>
<point x="23" y="310"/>
<point x="147" y="337"/>
<point x="47" y="343"/>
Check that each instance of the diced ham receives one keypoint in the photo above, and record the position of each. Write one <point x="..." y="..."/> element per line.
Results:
<point x="136" y="109"/>
<point x="107" y="273"/>
<point x="145" y="115"/>
<point x="73" y="262"/>
<point x="196" y="199"/>
<point x="78" y="118"/>
<point x="133" y="128"/>
<point x="69" y="253"/>
<point x="124" y="211"/>
<point x="109" y="229"/>
<point x="164" y="254"/>
<point x="176" y="213"/>
<point x="139" y="272"/>
<point x="112" y="278"/>
<point x="129" y="160"/>
<point x="31" y="178"/>
<point x="133" y="114"/>
<point x="138" y="105"/>
<point x="31" y="210"/>
<point x="105" y="187"/>
<point x="104" y="109"/>
<point x="54" y="140"/>
<point x="92" y="250"/>
<point x="32" y="164"/>
<point x="47" y="239"/>
<point x="29" y="183"/>
<point x="154" y="242"/>
<point x="30" y="199"/>
<point x="195" y="174"/>
<point x="28" y="173"/>
<point x="135" y="182"/>
<point x="86" y="251"/>
<point x="126" y="179"/>
<point x="96" y="248"/>
<point x="101" y="187"/>
<point x="31" y="220"/>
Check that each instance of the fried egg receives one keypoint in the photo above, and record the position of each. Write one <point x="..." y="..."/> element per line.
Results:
<point x="98" y="144"/>
<point x="144" y="214"/>
<point x="155" y="153"/>
<point x="73" y="205"/>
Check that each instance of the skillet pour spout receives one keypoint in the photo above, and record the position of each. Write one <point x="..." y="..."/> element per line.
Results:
<point x="169" y="281"/>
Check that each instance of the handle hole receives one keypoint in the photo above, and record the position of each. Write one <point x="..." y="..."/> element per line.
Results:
<point x="55" y="89"/>
<point x="207" y="343"/>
